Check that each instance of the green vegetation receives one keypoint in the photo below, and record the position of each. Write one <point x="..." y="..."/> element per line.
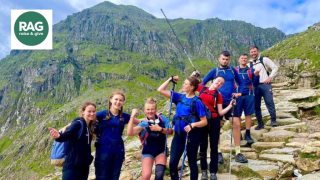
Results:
<point x="303" y="46"/>
<point x="310" y="156"/>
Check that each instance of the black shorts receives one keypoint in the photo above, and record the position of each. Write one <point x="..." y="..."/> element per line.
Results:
<point x="229" y="113"/>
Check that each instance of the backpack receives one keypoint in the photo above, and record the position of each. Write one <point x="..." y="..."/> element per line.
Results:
<point x="230" y="69"/>
<point x="193" y="108"/>
<point x="61" y="149"/>
<point x="143" y="136"/>
<point x="261" y="61"/>
<point x="214" y="96"/>
<point x="249" y="74"/>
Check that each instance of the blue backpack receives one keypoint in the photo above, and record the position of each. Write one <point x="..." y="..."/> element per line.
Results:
<point x="61" y="149"/>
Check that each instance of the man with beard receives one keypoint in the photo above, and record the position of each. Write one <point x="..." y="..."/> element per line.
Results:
<point x="232" y="87"/>
<point x="264" y="89"/>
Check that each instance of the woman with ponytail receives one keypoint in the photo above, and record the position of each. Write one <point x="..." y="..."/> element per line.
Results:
<point x="109" y="126"/>
<point x="79" y="158"/>
<point x="189" y="117"/>
<point x="152" y="131"/>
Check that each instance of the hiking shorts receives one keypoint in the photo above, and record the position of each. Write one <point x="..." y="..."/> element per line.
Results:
<point x="153" y="156"/>
<point x="246" y="103"/>
<point x="229" y="113"/>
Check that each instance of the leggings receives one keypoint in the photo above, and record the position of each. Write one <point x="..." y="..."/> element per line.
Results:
<point x="108" y="166"/>
<point x="213" y="130"/>
<point x="76" y="172"/>
<point x="177" y="149"/>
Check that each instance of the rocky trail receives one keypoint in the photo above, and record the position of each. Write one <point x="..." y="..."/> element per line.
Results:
<point x="277" y="152"/>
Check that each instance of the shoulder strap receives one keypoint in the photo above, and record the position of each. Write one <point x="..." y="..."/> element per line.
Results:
<point x="203" y="90"/>
<point x="217" y="72"/>
<point x="237" y="68"/>
<point x="216" y="96"/>
<point x="161" y="119"/>
<point x="261" y="61"/>
<point x="251" y="64"/>
<point x="250" y="73"/>
<point x="193" y="104"/>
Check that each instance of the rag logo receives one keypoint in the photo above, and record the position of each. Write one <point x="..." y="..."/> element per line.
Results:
<point x="31" y="29"/>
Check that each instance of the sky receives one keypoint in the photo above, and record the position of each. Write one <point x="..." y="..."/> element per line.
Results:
<point x="290" y="16"/>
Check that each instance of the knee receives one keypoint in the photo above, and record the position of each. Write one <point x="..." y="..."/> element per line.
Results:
<point x="159" y="171"/>
<point x="236" y="124"/>
<point x="146" y="176"/>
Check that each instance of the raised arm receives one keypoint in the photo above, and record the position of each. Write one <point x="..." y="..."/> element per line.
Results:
<point x="131" y="131"/>
<point x="163" y="88"/>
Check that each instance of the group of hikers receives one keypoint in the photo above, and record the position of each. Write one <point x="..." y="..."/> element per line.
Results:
<point x="240" y="89"/>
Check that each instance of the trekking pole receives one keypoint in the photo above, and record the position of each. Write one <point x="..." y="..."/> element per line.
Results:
<point x="233" y="98"/>
<point x="184" y="156"/>
<point x="184" y="50"/>
<point x="173" y="86"/>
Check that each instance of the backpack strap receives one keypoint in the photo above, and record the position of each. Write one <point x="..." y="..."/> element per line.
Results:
<point x="261" y="61"/>
<point x="234" y="80"/>
<point x="203" y="90"/>
<point x="81" y="129"/>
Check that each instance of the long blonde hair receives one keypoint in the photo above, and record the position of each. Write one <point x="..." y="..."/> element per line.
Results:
<point x="117" y="92"/>
<point x="82" y="109"/>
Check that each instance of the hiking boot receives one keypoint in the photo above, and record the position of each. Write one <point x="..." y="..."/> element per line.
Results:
<point x="213" y="176"/>
<point x="220" y="158"/>
<point x="259" y="127"/>
<point x="204" y="175"/>
<point x="240" y="158"/>
<point x="248" y="138"/>
<point x="274" y="123"/>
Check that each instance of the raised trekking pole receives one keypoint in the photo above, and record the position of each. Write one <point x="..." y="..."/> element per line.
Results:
<point x="184" y="50"/>
<point x="233" y="99"/>
<point x="173" y="86"/>
<point x="184" y="156"/>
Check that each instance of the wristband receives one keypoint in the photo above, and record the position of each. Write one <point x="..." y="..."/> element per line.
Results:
<point x="190" y="126"/>
<point x="161" y="129"/>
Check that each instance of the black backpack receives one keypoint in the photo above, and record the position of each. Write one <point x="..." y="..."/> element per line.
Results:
<point x="261" y="61"/>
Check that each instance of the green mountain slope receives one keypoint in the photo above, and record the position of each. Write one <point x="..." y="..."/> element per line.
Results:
<point x="95" y="51"/>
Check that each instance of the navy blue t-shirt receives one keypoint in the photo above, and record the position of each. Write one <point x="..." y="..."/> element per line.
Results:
<point x="183" y="110"/>
<point x="230" y="78"/>
<point x="243" y="72"/>
<point x="112" y="131"/>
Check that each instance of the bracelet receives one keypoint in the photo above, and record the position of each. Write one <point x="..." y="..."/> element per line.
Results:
<point x="161" y="129"/>
<point x="190" y="126"/>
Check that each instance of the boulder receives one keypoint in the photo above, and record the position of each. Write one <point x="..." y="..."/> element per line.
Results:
<point x="315" y="136"/>
<point x="259" y="146"/>
<point x="265" y="169"/>
<point x="277" y="136"/>
<point x="308" y="165"/>
<point x="286" y="171"/>
<point x="286" y="150"/>
<point x="286" y="158"/>
<point x="286" y="121"/>
<point x="315" y="176"/>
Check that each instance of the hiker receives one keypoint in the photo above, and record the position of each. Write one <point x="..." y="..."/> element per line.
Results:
<point x="264" y="88"/>
<point x="152" y="131"/>
<point x="245" y="102"/>
<point x="110" y="152"/>
<point x="228" y="90"/>
<point x="213" y="100"/>
<point x="79" y="157"/>
<point x="189" y="117"/>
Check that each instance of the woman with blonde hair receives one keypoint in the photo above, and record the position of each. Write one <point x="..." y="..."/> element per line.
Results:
<point x="152" y="131"/>
<point x="79" y="158"/>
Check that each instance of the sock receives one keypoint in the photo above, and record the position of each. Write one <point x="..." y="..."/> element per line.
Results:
<point x="237" y="148"/>
<point x="219" y="151"/>
<point x="247" y="131"/>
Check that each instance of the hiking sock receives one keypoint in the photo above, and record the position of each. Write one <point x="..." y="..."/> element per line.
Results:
<point x="237" y="148"/>
<point x="219" y="151"/>
<point x="248" y="132"/>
